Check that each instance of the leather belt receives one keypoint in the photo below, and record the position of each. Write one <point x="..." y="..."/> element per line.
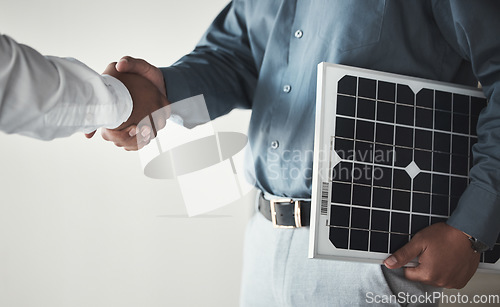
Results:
<point x="285" y="212"/>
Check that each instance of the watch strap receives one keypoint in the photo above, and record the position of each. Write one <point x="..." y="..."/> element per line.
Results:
<point x="477" y="245"/>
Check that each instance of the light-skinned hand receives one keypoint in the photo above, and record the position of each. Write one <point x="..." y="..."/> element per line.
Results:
<point x="147" y="100"/>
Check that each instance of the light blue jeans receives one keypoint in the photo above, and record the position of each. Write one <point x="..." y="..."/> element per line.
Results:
<point x="278" y="273"/>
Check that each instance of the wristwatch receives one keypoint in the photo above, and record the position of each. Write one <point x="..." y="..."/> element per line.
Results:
<point x="477" y="245"/>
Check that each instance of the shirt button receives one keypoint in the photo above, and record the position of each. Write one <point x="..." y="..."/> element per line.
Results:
<point x="287" y="88"/>
<point x="275" y="144"/>
<point x="299" y="33"/>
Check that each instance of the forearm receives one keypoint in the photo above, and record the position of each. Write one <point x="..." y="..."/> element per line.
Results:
<point x="223" y="86"/>
<point x="479" y="208"/>
<point x="221" y="68"/>
<point x="50" y="97"/>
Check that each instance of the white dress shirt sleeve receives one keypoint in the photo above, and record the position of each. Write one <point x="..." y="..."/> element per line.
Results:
<point x="49" y="97"/>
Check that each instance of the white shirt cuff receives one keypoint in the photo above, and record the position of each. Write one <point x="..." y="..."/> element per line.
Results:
<point x="123" y="100"/>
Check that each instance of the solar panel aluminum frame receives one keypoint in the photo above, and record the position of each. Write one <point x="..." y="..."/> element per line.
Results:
<point x="324" y="161"/>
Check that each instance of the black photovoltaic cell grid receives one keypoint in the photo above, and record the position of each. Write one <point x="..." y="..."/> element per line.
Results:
<point x="405" y="162"/>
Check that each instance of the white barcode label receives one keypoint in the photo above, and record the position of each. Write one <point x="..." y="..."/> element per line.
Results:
<point x="325" y="189"/>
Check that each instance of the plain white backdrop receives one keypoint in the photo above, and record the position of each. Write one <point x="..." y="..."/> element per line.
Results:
<point x="80" y="225"/>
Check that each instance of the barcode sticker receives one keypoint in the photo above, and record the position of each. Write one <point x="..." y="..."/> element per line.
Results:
<point x="324" y="198"/>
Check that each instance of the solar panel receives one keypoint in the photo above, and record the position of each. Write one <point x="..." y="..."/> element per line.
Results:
<point x="392" y="156"/>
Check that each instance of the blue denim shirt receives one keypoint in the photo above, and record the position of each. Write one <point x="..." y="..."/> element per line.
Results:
<point x="263" y="55"/>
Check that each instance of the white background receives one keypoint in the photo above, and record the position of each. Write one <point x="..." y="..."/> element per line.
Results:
<point x="80" y="225"/>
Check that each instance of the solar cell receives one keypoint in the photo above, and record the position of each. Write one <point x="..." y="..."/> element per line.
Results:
<point x="400" y="154"/>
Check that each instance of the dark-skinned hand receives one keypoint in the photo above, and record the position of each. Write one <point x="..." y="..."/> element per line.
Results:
<point x="148" y="102"/>
<point x="445" y="257"/>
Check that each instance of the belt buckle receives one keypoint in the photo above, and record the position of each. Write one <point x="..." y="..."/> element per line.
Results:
<point x="296" y="212"/>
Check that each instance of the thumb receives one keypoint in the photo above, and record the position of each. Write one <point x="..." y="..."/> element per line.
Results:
<point x="128" y="64"/>
<point x="405" y="254"/>
<point x="132" y="65"/>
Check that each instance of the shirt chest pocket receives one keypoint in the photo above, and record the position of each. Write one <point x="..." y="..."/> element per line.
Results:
<point x="347" y="25"/>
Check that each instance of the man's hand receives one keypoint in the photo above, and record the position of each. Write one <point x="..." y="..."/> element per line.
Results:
<point x="445" y="257"/>
<point x="147" y="100"/>
<point x="138" y="66"/>
<point x="132" y="137"/>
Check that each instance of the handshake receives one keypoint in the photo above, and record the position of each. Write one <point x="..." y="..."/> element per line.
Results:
<point x="147" y="87"/>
